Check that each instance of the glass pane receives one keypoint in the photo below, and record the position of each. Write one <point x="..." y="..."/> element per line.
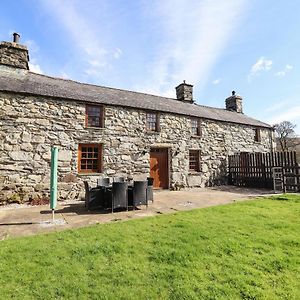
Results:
<point x="151" y="121"/>
<point x="93" y="115"/>
<point x="194" y="160"/>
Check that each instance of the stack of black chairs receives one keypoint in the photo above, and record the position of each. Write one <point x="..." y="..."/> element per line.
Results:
<point x="118" y="196"/>
<point x="138" y="194"/>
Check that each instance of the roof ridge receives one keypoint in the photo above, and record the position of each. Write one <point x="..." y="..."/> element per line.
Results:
<point x="101" y="86"/>
<point x="123" y="90"/>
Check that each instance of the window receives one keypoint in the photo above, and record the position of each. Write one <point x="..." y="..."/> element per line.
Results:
<point x="196" y="127"/>
<point x="89" y="158"/>
<point x="152" y="122"/>
<point x="257" y="137"/>
<point x="94" y="116"/>
<point x="194" y="159"/>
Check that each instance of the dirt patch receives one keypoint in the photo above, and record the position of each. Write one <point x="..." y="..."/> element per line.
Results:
<point x="40" y="201"/>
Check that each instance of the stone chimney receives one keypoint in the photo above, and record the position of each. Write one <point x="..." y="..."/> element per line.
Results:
<point x="234" y="103"/>
<point x="184" y="92"/>
<point x="13" y="54"/>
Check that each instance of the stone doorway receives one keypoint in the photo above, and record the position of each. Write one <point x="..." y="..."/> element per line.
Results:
<point x="159" y="167"/>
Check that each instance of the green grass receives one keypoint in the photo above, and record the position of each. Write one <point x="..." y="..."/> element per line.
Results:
<point x="248" y="250"/>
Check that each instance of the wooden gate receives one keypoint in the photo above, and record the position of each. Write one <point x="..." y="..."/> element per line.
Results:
<point x="256" y="169"/>
<point x="159" y="167"/>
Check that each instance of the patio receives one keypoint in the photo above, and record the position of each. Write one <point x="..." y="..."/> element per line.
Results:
<point x="23" y="220"/>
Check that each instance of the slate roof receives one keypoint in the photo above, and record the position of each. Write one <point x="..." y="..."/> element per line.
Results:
<point x="26" y="82"/>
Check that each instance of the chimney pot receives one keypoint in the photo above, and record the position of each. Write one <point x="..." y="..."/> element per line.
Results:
<point x="16" y="37"/>
<point x="233" y="93"/>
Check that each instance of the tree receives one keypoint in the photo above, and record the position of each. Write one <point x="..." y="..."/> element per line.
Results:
<point x="285" y="134"/>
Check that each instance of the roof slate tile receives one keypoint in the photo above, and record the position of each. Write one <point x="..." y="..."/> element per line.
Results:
<point x="12" y="80"/>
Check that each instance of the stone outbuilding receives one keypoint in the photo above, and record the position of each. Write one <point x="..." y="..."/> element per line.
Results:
<point x="103" y="131"/>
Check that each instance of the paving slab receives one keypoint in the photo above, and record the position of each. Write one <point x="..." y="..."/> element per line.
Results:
<point x="22" y="220"/>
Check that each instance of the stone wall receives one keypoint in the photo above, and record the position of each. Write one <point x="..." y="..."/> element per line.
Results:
<point x="30" y="125"/>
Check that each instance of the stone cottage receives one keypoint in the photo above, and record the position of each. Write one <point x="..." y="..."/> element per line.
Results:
<point x="103" y="131"/>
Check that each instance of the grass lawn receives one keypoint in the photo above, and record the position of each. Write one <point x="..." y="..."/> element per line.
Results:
<point x="246" y="250"/>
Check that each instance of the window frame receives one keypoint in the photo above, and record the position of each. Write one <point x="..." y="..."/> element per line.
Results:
<point x="101" y="115"/>
<point x="257" y="135"/>
<point x="99" y="159"/>
<point x="157" y="121"/>
<point x="197" y="127"/>
<point x="197" y="154"/>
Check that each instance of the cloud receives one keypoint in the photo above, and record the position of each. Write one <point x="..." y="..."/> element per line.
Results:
<point x="188" y="42"/>
<point x="291" y="114"/>
<point x="279" y="105"/>
<point x="35" y="68"/>
<point x="262" y="65"/>
<point x="285" y="110"/>
<point x="64" y="75"/>
<point x="283" y="72"/>
<point x="117" y="53"/>
<point x="84" y="34"/>
<point x="192" y="40"/>
<point x="216" y="81"/>
<point x="33" y="49"/>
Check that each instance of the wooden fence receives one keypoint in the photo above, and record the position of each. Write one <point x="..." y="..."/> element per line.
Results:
<point x="256" y="169"/>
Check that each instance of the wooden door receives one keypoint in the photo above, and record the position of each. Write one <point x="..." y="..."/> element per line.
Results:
<point x="159" y="168"/>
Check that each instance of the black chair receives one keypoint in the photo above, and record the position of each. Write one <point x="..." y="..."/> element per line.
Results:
<point x="103" y="182"/>
<point x="129" y="180"/>
<point x="118" y="179"/>
<point x="150" y="189"/>
<point x="138" y="195"/>
<point x="92" y="197"/>
<point x="118" y="195"/>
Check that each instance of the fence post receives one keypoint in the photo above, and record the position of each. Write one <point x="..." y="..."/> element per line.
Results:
<point x="284" y="179"/>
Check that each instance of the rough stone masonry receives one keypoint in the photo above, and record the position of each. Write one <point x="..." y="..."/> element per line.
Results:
<point x="32" y="120"/>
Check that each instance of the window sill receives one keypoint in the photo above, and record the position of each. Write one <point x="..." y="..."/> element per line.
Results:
<point x="152" y="132"/>
<point x="194" y="173"/>
<point x="89" y="174"/>
<point x="193" y="136"/>
<point x="95" y="128"/>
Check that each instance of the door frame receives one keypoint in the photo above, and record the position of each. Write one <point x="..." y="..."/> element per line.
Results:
<point x="168" y="148"/>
